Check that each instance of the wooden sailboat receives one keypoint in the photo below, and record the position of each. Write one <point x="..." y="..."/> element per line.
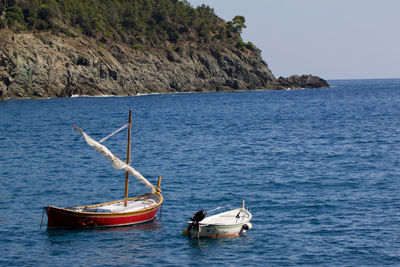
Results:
<point x="123" y="212"/>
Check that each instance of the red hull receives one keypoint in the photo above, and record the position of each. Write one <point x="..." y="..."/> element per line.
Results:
<point x="60" y="218"/>
<point x="67" y="218"/>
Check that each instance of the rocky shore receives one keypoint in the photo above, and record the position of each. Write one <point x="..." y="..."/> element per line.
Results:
<point x="42" y="65"/>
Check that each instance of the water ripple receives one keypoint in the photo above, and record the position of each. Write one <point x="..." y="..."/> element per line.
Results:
<point x="319" y="170"/>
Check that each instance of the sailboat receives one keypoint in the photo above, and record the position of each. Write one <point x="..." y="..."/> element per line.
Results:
<point x="128" y="211"/>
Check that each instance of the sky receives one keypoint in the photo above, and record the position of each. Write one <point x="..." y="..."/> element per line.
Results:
<point x="333" y="39"/>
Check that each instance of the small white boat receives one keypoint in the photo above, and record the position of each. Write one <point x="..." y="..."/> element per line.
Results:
<point x="233" y="222"/>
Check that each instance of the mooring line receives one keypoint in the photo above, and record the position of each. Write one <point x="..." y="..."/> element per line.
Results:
<point x="41" y="223"/>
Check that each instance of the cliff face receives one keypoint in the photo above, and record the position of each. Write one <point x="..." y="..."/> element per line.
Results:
<point x="46" y="65"/>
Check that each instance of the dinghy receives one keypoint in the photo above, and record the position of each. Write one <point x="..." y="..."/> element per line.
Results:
<point x="123" y="212"/>
<point x="233" y="222"/>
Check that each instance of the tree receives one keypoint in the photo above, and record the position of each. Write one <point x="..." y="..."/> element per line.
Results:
<point x="136" y="22"/>
<point x="15" y="17"/>
<point x="238" y="24"/>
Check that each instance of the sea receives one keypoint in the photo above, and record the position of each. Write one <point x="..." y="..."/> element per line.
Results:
<point x="319" y="170"/>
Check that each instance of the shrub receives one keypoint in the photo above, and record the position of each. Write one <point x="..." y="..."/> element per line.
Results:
<point x="250" y="46"/>
<point x="15" y="17"/>
<point x="2" y="24"/>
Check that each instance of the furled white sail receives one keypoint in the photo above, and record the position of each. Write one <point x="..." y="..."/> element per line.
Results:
<point x="115" y="161"/>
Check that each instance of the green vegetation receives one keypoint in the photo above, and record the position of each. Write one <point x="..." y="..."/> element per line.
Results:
<point x="139" y="23"/>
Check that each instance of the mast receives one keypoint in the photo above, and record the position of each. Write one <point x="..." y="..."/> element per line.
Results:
<point x="128" y="155"/>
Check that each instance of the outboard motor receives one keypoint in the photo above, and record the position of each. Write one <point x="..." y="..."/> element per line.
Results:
<point x="245" y="227"/>
<point x="198" y="216"/>
<point x="194" y="227"/>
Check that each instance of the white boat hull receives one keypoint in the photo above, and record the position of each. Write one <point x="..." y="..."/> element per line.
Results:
<point x="227" y="224"/>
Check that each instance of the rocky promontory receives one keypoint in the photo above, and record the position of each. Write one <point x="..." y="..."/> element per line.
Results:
<point x="45" y="65"/>
<point x="60" y="50"/>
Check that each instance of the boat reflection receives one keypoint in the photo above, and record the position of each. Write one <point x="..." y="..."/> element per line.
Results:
<point x="205" y="245"/>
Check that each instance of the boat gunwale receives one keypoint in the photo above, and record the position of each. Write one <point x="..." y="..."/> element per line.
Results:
<point x="109" y="214"/>
<point x="225" y="225"/>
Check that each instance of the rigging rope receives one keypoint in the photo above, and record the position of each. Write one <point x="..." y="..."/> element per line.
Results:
<point x="111" y="134"/>
<point x="41" y="223"/>
<point x="115" y="161"/>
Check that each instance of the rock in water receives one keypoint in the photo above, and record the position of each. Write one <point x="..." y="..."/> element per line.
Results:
<point x="303" y="81"/>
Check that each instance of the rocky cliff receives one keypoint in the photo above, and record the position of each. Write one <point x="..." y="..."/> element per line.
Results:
<point x="120" y="47"/>
<point x="47" y="65"/>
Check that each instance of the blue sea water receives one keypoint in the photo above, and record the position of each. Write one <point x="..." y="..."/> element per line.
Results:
<point x="320" y="170"/>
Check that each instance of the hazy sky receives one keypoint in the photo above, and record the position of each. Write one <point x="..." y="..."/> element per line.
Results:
<point x="335" y="39"/>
